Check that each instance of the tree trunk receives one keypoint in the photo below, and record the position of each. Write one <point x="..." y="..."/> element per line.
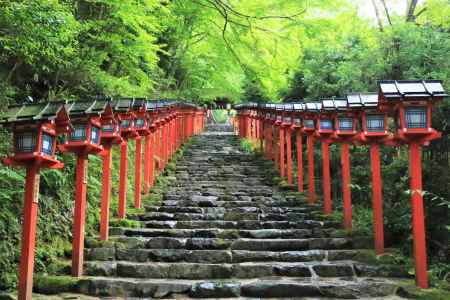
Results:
<point x="410" y="10"/>
<point x="377" y="13"/>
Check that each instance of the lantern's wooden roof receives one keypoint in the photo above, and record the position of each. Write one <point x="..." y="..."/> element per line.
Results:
<point x="139" y="103"/>
<point x="32" y="112"/>
<point x="364" y="100"/>
<point x="288" y="106"/>
<point x="328" y="105"/>
<point x="403" y="89"/>
<point x="341" y="104"/>
<point x="299" y="106"/>
<point x="313" y="106"/>
<point x="122" y="104"/>
<point x="85" y="108"/>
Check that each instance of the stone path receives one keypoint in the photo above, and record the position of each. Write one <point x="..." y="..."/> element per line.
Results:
<point x="222" y="231"/>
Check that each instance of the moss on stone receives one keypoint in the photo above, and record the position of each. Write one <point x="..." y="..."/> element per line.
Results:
<point x="96" y="243"/>
<point x="125" y="223"/>
<point x="391" y="257"/>
<point x="285" y="186"/>
<point x="136" y="211"/>
<point x="59" y="267"/>
<point x="339" y="233"/>
<point x="55" y="284"/>
<point x="409" y="290"/>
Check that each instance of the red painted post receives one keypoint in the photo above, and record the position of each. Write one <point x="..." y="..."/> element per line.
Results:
<point x="289" y="154"/>
<point x="418" y="217"/>
<point x="173" y="137"/>
<point x="261" y="135"/>
<point x="151" y="161"/>
<point x="147" y="164"/>
<point x="123" y="179"/>
<point x="164" y="144"/>
<point x="346" y="192"/>
<point x="327" y="204"/>
<point x="271" y="143"/>
<point x="276" y="147"/>
<point x="268" y="141"/>
<point x="281" y="159"/>
<point x="377" y="201"/>
<point x="106" y="193"/>
<point x="137" y="172"/>
<point x="29" y="222"/>
<point x="311" y="187"/>
<point x="79" y="215"/>
<point x="299" y="160"/>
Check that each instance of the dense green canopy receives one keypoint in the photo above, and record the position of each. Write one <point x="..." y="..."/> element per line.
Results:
<point x="204" y="49"/>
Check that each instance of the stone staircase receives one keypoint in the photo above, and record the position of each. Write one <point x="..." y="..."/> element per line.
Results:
<point x="222" y="231"/>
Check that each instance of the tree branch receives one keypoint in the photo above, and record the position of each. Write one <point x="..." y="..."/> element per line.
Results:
<point x="377" y="13"/>
<point x="386" y="10"/>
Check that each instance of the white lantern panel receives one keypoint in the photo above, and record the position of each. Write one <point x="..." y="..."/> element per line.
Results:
<point x="95" y="135"/>
<point x="309" y="124"/>
<point x="375" y="123"/>
<point x="78" y="133"/>
<point x="108" y="128"/>
<point x="140" y="123"/>
<point x="326" y="124"/>
<point x="345" y="124"/>
<point x="416" y="117"/>
<point x="47" y="144"/>
<point x="25" y="142"/>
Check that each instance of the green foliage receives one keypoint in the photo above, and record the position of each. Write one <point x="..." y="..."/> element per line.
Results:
<point x="248" y="146"/>
<point x="220" y="115"/>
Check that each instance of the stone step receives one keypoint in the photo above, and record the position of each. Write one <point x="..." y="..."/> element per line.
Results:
<point x="228" y="204"/>
<point x="227" y="216"/>
<point x="222" y="210"/>
<point x="247" y="225"/>
<point x="181" y="270"/>
<point x="229" y="233"/>
<point x="215" y="256"/>
<point x="236" y="244"/>
<point x="273" y="287"/>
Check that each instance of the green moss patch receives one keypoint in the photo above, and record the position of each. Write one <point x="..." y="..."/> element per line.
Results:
<point x="55" y="284"/>
<point x="125" y="223"/>
<point x="409" y="290"/>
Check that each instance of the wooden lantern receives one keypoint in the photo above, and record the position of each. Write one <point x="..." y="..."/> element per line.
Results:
<point x="410" y="102"/>
<point x="34" y="128"/>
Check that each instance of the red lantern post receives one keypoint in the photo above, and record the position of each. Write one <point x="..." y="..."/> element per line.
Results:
<point x="142" y="128"/>
<point x="110" y="136"/>
<point x="345" y="124"/>
<point x="34" y="128"/>
<point x="298" y="112"/>
<point x="411" y="102"/>
<point x="279" y="130"/>
<point x="287" y="124"/>
<point x="149" y="147"/>
<point x="268" y="134"/>
<point x="84" y="139"/>
<point x="324" y="131"/>
<point x="123" y="108"/>
<point x="374" y="132"/>
<point x="309" y="120"/>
